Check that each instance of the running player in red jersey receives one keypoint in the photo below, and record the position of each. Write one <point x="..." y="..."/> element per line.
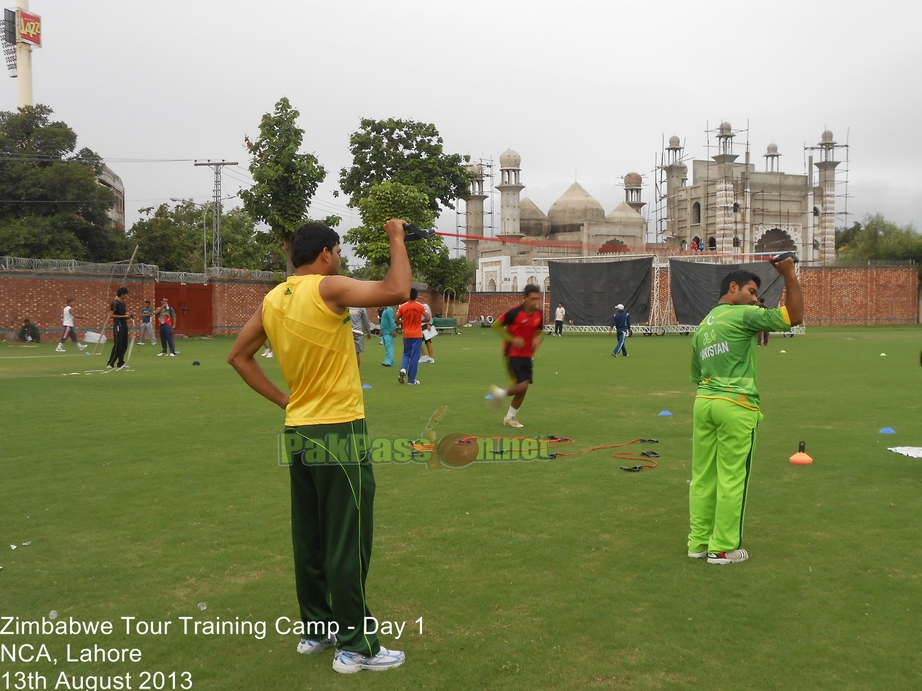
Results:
<point x="522" y="329"/>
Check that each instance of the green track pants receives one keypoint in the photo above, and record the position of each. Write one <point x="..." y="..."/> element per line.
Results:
<point x="724" y="442"/>
<point x="331" y="531"/>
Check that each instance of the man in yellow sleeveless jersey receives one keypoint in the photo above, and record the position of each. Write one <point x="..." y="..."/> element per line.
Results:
<point x="332" y="485"/>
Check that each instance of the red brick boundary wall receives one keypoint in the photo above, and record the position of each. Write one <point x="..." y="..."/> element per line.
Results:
<point x="40" y="298"/>
<point x="833" y="296"/>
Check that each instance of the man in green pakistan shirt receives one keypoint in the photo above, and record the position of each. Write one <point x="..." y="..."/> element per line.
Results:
<point x="727" y="409"/>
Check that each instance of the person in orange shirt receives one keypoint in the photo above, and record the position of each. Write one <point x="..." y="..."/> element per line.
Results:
<point x="411" y="315"/>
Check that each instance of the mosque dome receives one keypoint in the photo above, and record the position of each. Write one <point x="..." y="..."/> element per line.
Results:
<point x="532" y="220"/>
<point x="509" y="159"/>
<point x="674" y="142"/>
<point x="475" y="169"/>
<point x="633" y="180"/>
<point x="625" y="216"/>
<point x="772" y="150"/>
<point x="725" y="130"/>
<point x="574" y="208"/>
<point x="827" y="139"/>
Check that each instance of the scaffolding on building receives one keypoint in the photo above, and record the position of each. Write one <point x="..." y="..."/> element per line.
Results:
<point x="486" y="166"/>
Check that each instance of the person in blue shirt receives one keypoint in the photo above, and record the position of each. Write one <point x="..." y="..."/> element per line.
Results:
<point x="146" y="327"/>
<point x="621" y="321"/>
<point x="388" y="332"/>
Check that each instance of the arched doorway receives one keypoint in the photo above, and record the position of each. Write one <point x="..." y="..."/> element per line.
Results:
<point x="775" y="240"/>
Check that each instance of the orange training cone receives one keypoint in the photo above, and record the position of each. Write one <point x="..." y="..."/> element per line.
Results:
<point x="801" y="458"/>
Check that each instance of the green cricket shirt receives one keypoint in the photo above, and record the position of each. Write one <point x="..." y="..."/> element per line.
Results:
<point x="723" y="354"/>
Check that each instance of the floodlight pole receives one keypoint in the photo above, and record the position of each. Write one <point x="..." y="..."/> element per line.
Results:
<point x="216" y="227"/>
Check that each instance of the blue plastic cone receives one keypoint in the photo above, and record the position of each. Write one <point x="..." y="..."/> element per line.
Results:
<point x="887" y="430"/>
<point x="366" y="386"/>
<point x="665" y="413"/>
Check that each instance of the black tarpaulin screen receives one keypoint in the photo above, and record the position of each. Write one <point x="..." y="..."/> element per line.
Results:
<point x="695" y="287"/>
<point x="589" y="292"/>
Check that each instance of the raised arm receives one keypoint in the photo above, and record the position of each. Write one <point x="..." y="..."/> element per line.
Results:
<point x="340" y="292"/>
<point x="794" y="296"/>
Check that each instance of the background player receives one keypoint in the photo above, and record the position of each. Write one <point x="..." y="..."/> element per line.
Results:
<point x="522" y="330"/>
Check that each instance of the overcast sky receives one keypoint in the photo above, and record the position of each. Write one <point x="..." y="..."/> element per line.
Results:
<point x="583" y="90"/>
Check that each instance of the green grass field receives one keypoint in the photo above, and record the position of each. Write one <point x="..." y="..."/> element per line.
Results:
<point x="155" y="492"/>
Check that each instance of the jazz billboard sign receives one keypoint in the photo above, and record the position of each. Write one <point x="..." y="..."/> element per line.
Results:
<point x="29" y="28"/>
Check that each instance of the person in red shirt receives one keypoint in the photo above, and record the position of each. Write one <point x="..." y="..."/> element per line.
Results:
<point x="522" y="329"/>
<point x="411" y="315"/>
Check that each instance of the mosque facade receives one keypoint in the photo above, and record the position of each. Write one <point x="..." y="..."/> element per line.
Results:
<point x="731" y="208"/>
<point x="728" y="207"/>
<point x="576" y="225"/>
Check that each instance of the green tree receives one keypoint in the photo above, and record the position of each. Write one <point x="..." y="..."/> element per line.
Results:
<point x="171" y="238"/>
<point x="407" y="152"/>
<point x="174" y="238"/>
<point x="450" y="274"/>
<point x="285" y="180"/>
<point x="393" y="200"/>
<point x="52" y="205"/>
<point x="876" y="238"/>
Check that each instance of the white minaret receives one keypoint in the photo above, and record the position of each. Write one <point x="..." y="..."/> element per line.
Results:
<point x="826" y="232"/>
<point x="474" y="210"/>
<point x="725" y="222"/>
<point x="510" y="188"/>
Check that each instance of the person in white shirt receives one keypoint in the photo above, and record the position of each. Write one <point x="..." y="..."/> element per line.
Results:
<point x="69" y="331"/>
<point x="427" y="324"/>
<point x="559" y="315"/>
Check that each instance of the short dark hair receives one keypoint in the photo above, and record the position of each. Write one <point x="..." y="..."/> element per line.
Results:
<point x="740" y="278"/>
<point x="530" y="288"/>
<point x="147" y="302"/>
<point x="121" y="291"/>
<point x="309" y="241"/>
<point x="413" y="293"/>
<point x="69" y="300"/>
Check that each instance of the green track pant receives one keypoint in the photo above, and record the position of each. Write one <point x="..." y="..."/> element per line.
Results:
<point x="331" y="531"/>
<point x="724" y="442"/>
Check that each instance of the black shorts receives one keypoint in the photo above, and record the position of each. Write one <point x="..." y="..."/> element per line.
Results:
<point x="520" y="369"/>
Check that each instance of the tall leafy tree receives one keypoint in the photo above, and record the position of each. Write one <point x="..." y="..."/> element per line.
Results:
<point x="52" y="205"/>
<point x="174" y="238"/>
<point x="393" y="200"/>
<point x="406" y="152"/>
<point x="877" y="238"/>
<point x="285" y="179"/>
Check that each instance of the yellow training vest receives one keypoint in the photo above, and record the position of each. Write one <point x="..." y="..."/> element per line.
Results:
<point x="316" y="353"/>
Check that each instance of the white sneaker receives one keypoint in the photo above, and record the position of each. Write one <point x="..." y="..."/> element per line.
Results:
<point x="698" y="555"/>
<point x="497" y="396"/>
<point x="402" y="377"/>
<point x="125" y="366"/>
<point x="416" y="382"/>
<point x="81" y="346"/>
<point x="140" y="344"/>
<point x="512" y="422"/>
<point x="270" y="355"/>
<point x="160" y="354"/>
<point x="172" y="354"/>
<point x="59" y="349"/>
<point x="308" y="647"/>
<point x="346" y="662"/>
<point x="733" y="557"/>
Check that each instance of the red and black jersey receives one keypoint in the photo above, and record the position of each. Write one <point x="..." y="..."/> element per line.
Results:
<point x="526" y="326"/>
